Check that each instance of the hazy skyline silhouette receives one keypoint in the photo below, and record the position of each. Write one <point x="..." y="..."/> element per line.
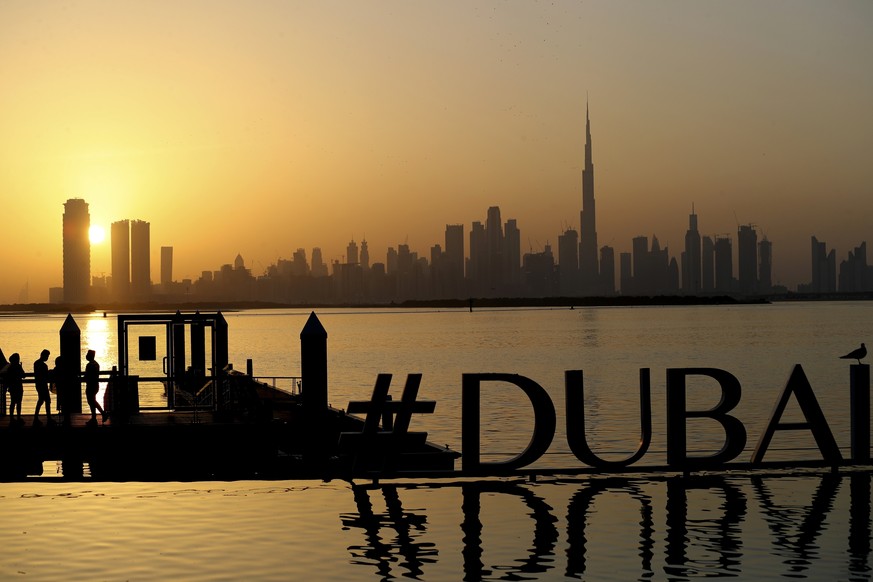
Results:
<point x="262" y="128"/>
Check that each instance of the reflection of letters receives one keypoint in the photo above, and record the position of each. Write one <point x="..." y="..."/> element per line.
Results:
<point x="859" y="524"/>
<point x="706" y="521"/>
<point x="408" y="527"/>
<point x="539" y="558"/>
<point x="808" y="522"/>
<point x="577" y="515"/>
<point x="721" y="536"/>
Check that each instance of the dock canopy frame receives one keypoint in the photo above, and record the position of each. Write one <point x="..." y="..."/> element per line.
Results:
<point x="178" y="326"/>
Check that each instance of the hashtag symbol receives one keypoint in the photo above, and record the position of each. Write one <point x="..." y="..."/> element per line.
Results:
<point x="394" y="437"/>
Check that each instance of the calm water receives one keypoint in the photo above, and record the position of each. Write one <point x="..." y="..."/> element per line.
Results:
<point x="807" y="525"/>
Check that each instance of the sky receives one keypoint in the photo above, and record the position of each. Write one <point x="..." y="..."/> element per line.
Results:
<point x="261" y="127"/>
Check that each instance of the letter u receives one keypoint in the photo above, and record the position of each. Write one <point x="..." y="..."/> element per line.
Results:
<point x="574" y="389"/>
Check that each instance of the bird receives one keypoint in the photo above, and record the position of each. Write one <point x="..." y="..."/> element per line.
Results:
<point x="856" y="354"/>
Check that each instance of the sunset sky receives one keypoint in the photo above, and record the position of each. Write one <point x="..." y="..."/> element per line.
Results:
<point x="260" y="127"/>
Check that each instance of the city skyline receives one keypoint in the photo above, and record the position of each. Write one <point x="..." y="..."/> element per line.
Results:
<point x="331" y="122"/>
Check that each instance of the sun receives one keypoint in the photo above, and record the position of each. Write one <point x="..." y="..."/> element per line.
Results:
<point x="96" y="234"/>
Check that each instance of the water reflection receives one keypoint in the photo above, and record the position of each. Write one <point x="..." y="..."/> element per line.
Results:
<point x="795" y="527"/>
<point x="581" y="505"/>
<point x="540" y="555"/>
<point x="713" y="526"/>
<point x="403" y="548"/>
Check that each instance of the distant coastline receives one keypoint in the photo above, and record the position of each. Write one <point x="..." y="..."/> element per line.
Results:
<point x="482" y="302"/>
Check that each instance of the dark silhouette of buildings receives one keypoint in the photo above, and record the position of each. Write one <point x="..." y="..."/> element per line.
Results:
<point x="140" y="260"/>
<point x="747" y="258"/>
<point x="568" y="263"/>
<point x="77" y="251"/>
<point x="691" y="258"/>
<point x="166" y="268"/>
<point x="120" y="250"/>
<point x="824" y="268"/>
<point x="724" y="265"/>
<point x="492" y="267"/>
<point x="590" y="271"/>
<point x="765" y="266"/>
<point x="855" y="275"/>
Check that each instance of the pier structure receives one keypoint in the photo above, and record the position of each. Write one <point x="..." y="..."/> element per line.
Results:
<point x="208" y="421"/>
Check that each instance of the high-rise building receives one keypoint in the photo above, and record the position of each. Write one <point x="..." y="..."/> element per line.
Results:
<point x="166" y="267"/>
<point x="765" y="266"/>
<point x="824" y="268"/>
<point x="568" y="262"/>
<point x="625" y="274"/>
<point x="707" y="281"/>
<point x="724" y="265"/>
<point x="120" y="243"/>
<point x="588" y="267"/>
<point x="352" y="253"/>
<point x="747" y="259"/>
<point x="494" y="241"/>
<point x="140" y="260"/>
<point x="319" y="268"/>
<point x="477" y="269"/>
<point x="77" y="251"/>
<point x="855" y="274"/>
<point x="365" y="256"/>
<point x="691" y="263"/>
<point x="607" y="270"/>
<point x="512" y="256"/>
<point x="453" y="259"/>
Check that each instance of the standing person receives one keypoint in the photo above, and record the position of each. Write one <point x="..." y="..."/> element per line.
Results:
<point x="41" y="379"/>
<point x="61" y="382"/>
<point x="13" y="377"/>
<point x="92" y="386"/>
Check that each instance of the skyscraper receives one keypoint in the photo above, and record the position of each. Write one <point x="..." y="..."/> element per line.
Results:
<point x="120" y="243"/>
<point x="747" y="259"/>
<point x="568" y="262"/>
<point x="691" y="273"/>
<point x="454" y="259"/>
<point x="140" y="260"/>
<point x="166" y="267"/>
<point x="365" y="256"/>
<point x="765" y="266"/>
<point x="590" y="271"/>
<point x="352" y="253"/>
<point x="724" y="265"/>
<point x="77" y="251"/>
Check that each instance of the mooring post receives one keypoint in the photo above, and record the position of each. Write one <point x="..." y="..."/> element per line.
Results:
<point x="859" y="397"/>
<point x="71" y="359"/>
<point x="313" y="372"/>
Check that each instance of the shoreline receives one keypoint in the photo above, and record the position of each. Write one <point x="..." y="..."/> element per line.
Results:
<point x="470" y="303"/>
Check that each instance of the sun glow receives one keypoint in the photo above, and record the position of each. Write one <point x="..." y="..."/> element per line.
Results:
<point x="96" y="234"/>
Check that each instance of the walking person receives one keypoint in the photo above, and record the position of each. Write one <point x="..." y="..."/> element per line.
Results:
<point x="41" y="379"/>
<point x="13" y="376"/>
<point x="92" y="386"/>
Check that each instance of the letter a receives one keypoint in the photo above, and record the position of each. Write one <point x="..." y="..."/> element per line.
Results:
<point x="815" y="420"/>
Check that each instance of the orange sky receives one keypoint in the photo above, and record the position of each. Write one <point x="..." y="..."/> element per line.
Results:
<point x="261" y="127"/>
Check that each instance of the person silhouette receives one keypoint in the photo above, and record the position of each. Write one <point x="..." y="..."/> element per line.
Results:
<point x="41" y="380"/>
<point x="92" y="386"/>
<point x="13" y="377"/>
<point x="60" y="379"/>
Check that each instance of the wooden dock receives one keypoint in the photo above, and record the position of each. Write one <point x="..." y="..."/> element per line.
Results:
<point x="219" y="423"/>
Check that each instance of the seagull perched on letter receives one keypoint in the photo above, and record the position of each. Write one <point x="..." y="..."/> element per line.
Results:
<point x="856" y="354"/>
